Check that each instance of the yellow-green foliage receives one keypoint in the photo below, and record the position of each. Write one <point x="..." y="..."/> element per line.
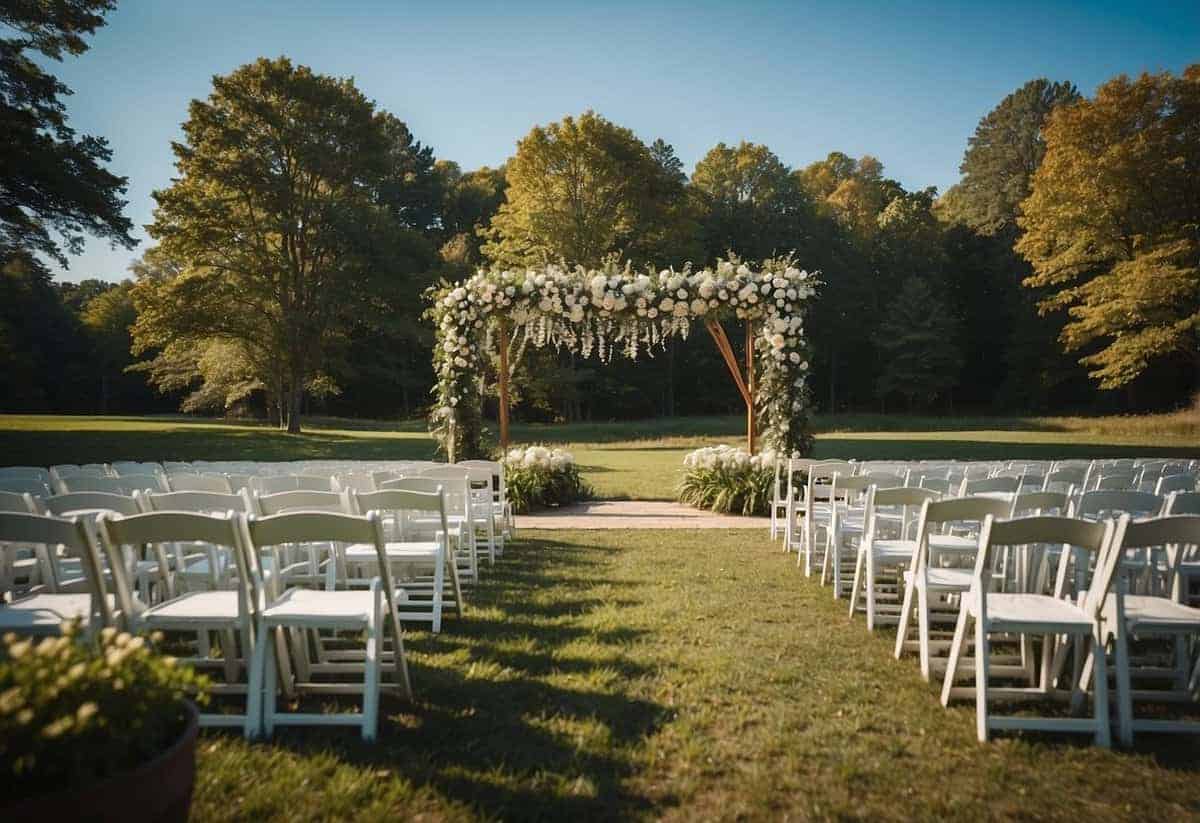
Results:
<point x="74" y="710"/>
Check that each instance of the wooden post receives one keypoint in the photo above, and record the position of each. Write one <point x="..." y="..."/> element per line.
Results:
<point x="750" y="385"/>
<point x="503" y="332"/>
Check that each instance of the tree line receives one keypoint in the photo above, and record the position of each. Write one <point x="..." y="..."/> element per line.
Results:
<point x="291" y="251"/>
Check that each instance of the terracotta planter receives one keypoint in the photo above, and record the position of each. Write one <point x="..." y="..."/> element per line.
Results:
<point x="159" y="791"/>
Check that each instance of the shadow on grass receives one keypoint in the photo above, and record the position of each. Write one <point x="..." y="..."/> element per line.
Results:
<point x="488" y="729"/>
<point x="191" y="442"/>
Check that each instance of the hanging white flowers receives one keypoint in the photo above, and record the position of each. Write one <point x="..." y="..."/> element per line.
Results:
<point x="615" y="309"/>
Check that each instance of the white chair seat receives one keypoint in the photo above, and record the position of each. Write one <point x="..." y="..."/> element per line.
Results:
<point x="1143" y="613"/>
<point x="196" y="607"/>
<point x="45" y="612"/>
<point x="400" y="551"/>
<point x="943" y="579"/>
<point x="1018" y="611"/>
<point x="893" y="549"/>
<point x="307" y="607"/>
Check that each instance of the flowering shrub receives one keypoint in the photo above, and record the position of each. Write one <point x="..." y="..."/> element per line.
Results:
<point x="725" y="479"/>
<point x="537" y="476"/>
<point x="613" y="309"/>
<point x="74" y="711"/>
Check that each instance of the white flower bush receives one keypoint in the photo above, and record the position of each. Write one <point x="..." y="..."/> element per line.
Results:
<point x="725" y="479"/>
<point x="615" y="309"/>
<point x="536" y="477"/>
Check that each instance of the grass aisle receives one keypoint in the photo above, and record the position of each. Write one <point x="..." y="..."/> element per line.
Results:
<point x="681" y="675"/>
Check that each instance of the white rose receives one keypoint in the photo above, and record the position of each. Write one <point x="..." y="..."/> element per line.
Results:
<point x="777" y="341"/>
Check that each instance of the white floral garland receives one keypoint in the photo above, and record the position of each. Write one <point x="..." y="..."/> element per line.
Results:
<point x="612" y="309"/>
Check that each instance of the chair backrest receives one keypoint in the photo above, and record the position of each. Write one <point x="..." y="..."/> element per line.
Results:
<point x="1092" y="537"/>
<point x="907" y="501"/>
<point x="23" y="528"/>
<point x="990" y="485"/>
<point x="1096" y="504"/>
<point x="269" y="532"/>
<point x="455" y="490"/>
<point x="116" y="485"/>
<point x="403" y="503"/>
<point x="29" y="484"/>
<point x="189" y="501"/>
<point x="25" y="471"/>
<point x="196" y="482"/>
<point x="852" y="488"/>
<point x="1183" y="503"/>
<point x="1035" y="503"/>
<point x="1119" y="481"/>
<point x="292" y="482"/>
<point x="1183" y="482"/>
<point x="15" y="502"/>
<point x="123" y="468"/>
<point x="938" y="484"/>
<point x="886" y="479"/>
<point x="63" y="505"/>
<point x="300" y="500"/>
<point x="1176" y="533"/>
<point x="169" y="527"/>
<point x="358" y="481"/>
<point x="1066" y="476"/>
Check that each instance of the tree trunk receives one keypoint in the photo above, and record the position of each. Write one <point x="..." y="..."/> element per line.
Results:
<point x="295" y="399"/>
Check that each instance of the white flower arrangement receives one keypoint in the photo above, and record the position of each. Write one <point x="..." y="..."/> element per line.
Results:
<point x="615" y="309"/>
<point x="536" y="477"/>
<point x="725" y="479"/>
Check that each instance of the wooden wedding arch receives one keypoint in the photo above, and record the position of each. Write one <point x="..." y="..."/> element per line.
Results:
<point x="615" y="309"/>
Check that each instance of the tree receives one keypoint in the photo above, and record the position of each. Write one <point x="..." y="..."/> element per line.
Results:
<point x="53" y="186"/>
<point x="748" y="202"/>
<point x="106" y="320"/>
<point x="469" y="200"/>
<point x="578" y="189"/>
<point x="920" y="357"/>
<point x="1110" y="224"/>
<point x="289" y="216"/>
<point x="1002" y="157"/>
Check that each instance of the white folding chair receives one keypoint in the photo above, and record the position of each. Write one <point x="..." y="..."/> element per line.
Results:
<point x="228" y="614"/>
<point x="936" y="572"/>
<point x="1027" y="614"/>
<point x="43" y="613"/>
<point x="206" y="566"/>
<point x="412" y="559"/>
<point x="1132" y="617"/>
<point x="372" y="612"/>
<point x="887" y="545"/>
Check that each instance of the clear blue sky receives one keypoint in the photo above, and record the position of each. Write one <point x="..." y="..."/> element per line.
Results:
<point x="906" y="82"/>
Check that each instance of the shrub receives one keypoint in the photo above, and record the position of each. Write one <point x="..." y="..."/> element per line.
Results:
<point x="537" y="477"/>
<point x="724" y="479"/>
<point x="75" y="710"/>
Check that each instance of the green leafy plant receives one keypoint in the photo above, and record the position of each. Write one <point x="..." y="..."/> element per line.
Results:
<point x="724" y="480"/>
<point x="75" y="710"/>
<point x="537" y="477"/>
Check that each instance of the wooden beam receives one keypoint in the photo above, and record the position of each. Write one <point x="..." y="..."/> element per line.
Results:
<point x="722" y="341"/>
<point x="502" y="330"/>
<point x="750" y="385"/>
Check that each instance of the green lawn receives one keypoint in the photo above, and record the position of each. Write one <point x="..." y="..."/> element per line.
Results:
<point x="637" y="460"/>
<point x="655" y="675"/>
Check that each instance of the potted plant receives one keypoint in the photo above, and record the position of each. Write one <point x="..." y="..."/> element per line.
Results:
<point x="95" y="728"/>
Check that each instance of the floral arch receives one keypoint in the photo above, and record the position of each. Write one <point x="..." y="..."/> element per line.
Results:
<point x="616" y="309"/>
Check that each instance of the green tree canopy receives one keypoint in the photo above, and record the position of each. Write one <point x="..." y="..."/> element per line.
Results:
<point x="1111" y="224"/>
<point x="289" y="216"/>
<point x="54" y="189"/>
<point x="579" y="189"/>
<point x="1002" y="156"/>
<point x="919" y="349"/>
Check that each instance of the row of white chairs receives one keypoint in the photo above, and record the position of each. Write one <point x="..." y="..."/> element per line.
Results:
<point x="295" y="640"/>
<point x="1059" y="566"/>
